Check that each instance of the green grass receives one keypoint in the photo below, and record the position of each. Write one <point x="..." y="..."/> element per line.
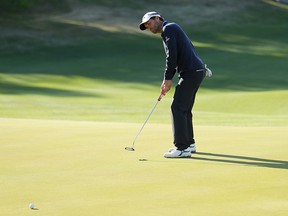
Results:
<point x="79" y="168"/>
<point x="81" y="83"/>
<point x="102" y="76"/>
<point x="69" y="106"/>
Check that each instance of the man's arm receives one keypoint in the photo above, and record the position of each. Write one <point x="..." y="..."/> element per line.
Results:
<point x="170" y="46"/>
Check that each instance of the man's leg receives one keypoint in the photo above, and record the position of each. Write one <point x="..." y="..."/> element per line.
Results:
<point x="181" y="110"/>
<point x="179" y="124"/>
<point x="190" y="131"/>
<point x="195" y="86"/>
<point x="190" y="119"/>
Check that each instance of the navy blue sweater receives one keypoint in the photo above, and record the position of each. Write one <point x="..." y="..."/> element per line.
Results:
<point x="180" y="52"/>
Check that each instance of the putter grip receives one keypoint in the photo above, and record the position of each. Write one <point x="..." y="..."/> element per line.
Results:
<point x="160" y="97"/>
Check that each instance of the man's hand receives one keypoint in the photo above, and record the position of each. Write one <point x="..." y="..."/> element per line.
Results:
<point x="166" y="86"/>
<point x="208" y="71"/>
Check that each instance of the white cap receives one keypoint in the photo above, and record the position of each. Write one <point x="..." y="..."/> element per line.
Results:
<point x="147" y="17"/>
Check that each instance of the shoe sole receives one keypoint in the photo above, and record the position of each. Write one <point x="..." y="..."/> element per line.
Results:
<point x="180" y="157"/>
<point x="191" y="151"/>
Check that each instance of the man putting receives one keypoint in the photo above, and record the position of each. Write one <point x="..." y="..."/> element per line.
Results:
<point x="181" y="58"/>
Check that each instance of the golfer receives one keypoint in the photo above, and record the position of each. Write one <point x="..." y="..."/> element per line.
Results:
<point x="181" y="58"/>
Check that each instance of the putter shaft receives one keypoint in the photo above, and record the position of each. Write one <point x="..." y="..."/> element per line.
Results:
<point x="144" y="123"/>
<point x="159" y="99"/>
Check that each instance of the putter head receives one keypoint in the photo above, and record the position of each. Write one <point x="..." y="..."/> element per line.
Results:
<point x="129" y="149"/>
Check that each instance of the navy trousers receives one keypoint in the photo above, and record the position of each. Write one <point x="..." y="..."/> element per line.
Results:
<point x="181" y="109"/>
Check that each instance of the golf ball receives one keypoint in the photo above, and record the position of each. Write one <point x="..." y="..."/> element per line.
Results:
<point x="31" y="205"/>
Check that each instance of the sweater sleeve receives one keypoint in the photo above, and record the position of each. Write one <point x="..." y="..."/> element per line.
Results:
<point x="170" y="46"/>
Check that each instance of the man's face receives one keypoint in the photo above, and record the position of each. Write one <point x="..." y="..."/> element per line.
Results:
<point x="154" y="25"/>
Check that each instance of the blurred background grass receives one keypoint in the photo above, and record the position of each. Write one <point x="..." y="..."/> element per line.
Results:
<point x="101" y="68"/>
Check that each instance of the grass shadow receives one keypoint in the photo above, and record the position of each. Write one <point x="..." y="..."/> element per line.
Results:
<point x="242" y="160"/>
<point x="12" y="89"/>
<point x="122" y="58"/>
<point x="248" y="55"/>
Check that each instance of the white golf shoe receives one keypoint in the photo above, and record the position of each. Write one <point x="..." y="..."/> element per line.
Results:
<point x="175" y="153"/>
<point x="192" y="148"/>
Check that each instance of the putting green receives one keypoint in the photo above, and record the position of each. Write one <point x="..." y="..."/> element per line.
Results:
<point x="81" y="168"/>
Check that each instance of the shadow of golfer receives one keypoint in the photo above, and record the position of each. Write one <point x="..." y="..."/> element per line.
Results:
<point x="243" y="160"/>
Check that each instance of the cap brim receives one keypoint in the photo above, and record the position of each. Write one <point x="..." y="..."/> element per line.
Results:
<point x="142" y="26"/>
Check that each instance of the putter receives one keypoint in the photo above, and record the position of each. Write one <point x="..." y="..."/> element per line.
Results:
<point x="132" y="148"/>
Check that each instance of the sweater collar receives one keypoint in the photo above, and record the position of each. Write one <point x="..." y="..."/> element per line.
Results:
<point x="164" y="23"/>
